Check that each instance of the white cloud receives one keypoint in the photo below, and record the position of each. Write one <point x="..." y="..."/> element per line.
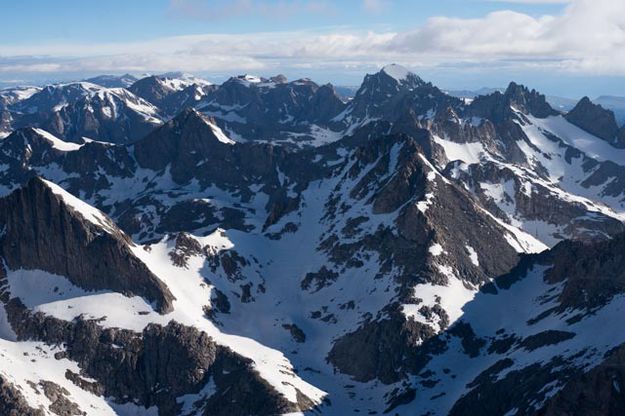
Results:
<point x="588" y="37"/>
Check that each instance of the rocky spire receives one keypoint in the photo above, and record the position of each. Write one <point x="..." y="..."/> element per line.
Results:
<point x="499" y="107"/>
<point x="528" y="101"/>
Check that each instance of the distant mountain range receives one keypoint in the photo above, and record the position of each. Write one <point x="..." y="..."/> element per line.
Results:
<point x="269" y="246"/>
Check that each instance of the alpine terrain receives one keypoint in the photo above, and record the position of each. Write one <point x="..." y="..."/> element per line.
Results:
<point x="174" y="247"/>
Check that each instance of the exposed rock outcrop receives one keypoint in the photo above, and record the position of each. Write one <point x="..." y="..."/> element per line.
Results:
<point x="13" y="403"/>
<point x="598" y="121"/>
<point x="381" y="346"/>
<point x="386" y="97"/>
<point x="592" y="273"/>
<point x="384" y="350"/>
<point x="152" y="89"/>
<point x="598" y="392"/>
<point x="81" y="109"/>
<point x="499" y="107"/>
<point x="41" y="231"/>
<point x="157" y="366"/>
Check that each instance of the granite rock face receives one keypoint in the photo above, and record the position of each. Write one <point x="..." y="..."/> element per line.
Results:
<point x="385" y="348"/>
<point x="157" y="366"/>
<point x="112" y="117"/>
<point x="82" y="109"/>
<point x="272" y="109"/>
<point x="152" y="89"/>
<point x="592" y="273"/>
<point x="499" y="107"/>
<point x="383" y="96"/>
<point x="381" y="350"/>
<point x="12" y="402"/>
<point x="42" y="232"/>
<point x="577" y="380"/>
<point x="598" y="121"/>
<point x="597" y="392"/>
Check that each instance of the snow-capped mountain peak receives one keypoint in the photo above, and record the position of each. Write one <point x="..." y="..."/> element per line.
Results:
<point x="113" y="81"/>
<point x="397" y="72"/>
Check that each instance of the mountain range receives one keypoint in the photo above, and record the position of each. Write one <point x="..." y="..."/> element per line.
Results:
<point x="614" y="103"/>
<point x="264" y="246"/>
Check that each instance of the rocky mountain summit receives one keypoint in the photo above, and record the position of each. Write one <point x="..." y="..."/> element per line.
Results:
<point x="262" y="247"/>
<point x="82" y="110"/>
<point x="598" y="121"/>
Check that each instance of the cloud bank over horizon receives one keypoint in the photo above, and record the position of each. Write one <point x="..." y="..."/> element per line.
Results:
<point x="587" y="37"/>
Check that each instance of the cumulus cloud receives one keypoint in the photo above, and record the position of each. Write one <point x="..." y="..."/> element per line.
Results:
<point x="588" y="37"/>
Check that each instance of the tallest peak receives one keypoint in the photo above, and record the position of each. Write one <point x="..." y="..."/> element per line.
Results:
<point x="397" y="72"/>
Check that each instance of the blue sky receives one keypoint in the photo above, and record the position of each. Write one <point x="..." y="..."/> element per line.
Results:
<point x="454" y="43"/>
<point x="126" y="20"/>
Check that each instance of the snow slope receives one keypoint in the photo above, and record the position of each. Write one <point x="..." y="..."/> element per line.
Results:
<point x="85" y="210"/>
<point x="58" y="143"/>
<point x="56" y="296"/>
<point x="397" y="72"/>
<point x="513" y="311"/>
